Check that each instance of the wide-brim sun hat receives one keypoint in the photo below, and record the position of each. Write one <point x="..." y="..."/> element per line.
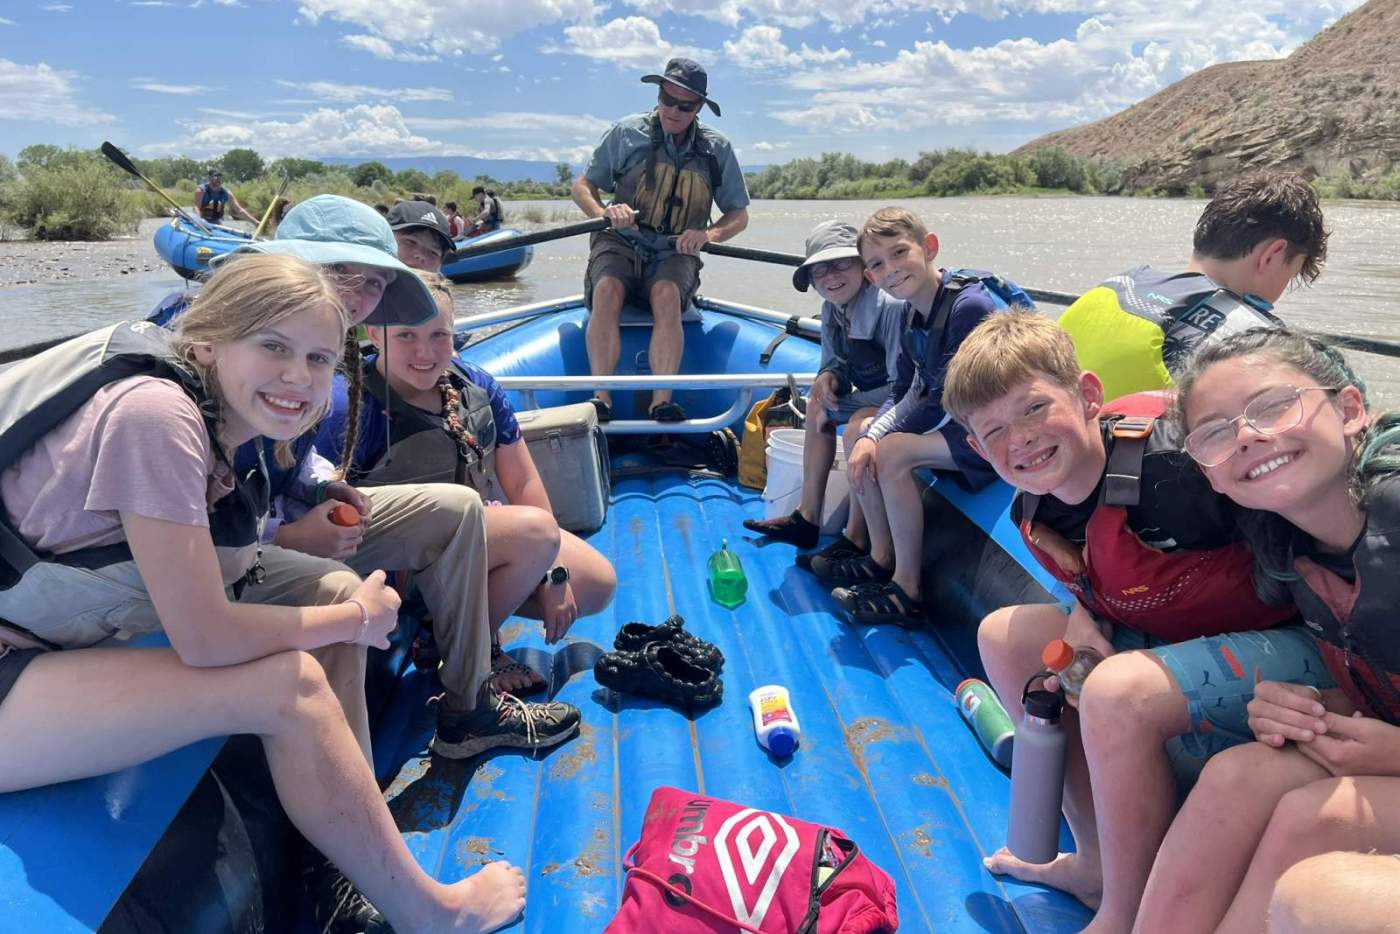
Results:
<point x="688" y="75"/>
<point x="330" y="229"/>
<point x="829" y="240"/>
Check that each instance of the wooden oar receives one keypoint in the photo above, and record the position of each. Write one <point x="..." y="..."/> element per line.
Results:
<point x="267" y="215"/>
<point x="539" y="236"/>
<point x="120" y="160"/>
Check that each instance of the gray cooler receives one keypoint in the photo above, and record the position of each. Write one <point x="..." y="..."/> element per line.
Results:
<point x="571" y="454"/>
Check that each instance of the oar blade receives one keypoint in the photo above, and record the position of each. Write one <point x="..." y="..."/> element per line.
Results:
<point x="120" y="159"/>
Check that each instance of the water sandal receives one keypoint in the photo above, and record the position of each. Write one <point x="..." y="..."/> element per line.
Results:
<point x="667" y="412"/>
<point x="792" y="529"/>
<point x="662" y="672"/>
<point x="881" y="603"/>
<point x="843" y="547"/>
<point x="503" y="664"/>
<point x="604" y="409"/>
<point x="843" y="572"/>
<point x="634" y="637"/>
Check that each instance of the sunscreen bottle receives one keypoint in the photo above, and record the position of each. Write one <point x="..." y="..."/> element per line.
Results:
<point x="774" y="723"/>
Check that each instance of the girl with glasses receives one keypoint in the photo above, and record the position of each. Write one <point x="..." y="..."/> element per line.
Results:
<point x="1279" y="423"/>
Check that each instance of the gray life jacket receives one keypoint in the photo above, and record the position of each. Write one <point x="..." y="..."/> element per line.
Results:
<point x="670" y="195"/>
<point x="40" y="393"/>
<point x="421" y="450"/>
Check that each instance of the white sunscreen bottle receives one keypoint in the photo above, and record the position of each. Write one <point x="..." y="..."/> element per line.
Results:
<point x="774" y="722"/>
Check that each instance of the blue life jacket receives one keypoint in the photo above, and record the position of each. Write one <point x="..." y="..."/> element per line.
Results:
<point x="924" y="345"/>
<point x="212" y="203"/>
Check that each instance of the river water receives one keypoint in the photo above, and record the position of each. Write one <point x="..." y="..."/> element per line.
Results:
<point x="1060" y="243"/>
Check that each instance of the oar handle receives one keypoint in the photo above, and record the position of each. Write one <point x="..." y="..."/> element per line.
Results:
<point x="121" y="161"/>
<point x="762" y="256"/>
<point x="539" y="236"/>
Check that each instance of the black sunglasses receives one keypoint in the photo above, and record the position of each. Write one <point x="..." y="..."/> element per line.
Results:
<point x="685" y="107"/>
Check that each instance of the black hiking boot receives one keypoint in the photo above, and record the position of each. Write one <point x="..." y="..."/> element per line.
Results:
<point x="502" y="720"/>
<point x="337" y="907"/>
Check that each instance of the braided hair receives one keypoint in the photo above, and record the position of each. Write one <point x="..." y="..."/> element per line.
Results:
<point x="355" y="394"/>
<point x="1375" y="456"/>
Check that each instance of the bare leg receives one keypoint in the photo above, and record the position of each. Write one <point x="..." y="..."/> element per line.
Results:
<point x="1130" y="706"/>
<point x="522" y="542"/>
<point x="87" y="712"/>
<point x="1204" y="855"/>
<point x="877" y="525"/>
<point x="899" y="454"/>
<point x="1360" y="813"/>
<point x="1010" y="642"/>
<point x="591" y="576"/>
<point x="1337" y="893"/>
<point x="667" y="337"/>
<point x="603" y="339"/>
<point x="856" y="532"/>
<point x="818" y="454"/>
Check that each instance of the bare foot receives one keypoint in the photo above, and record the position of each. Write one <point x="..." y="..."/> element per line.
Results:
<point x="1068" y="872"/>
<point x="487" y="900"/>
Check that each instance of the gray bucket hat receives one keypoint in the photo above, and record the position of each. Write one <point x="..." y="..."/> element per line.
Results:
<point x="828" y="240"/>
<point x="330" y="229"/>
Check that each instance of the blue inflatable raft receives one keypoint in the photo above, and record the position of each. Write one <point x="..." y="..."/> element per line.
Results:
<point x="188" y="248"/>
<point x="173" y="845"/>
<point x="499" y="265"/>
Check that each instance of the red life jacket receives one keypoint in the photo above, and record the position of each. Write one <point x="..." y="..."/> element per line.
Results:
<point x="1354" y="622"/>
<point x="1175" y="595"/>
<point x="698" y="870"/>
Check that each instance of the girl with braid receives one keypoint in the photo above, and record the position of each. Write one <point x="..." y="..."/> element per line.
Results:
<point x="432" y="417"/>
<point x="1279" y="423"/>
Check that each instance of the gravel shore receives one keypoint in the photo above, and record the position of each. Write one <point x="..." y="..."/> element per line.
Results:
<point x="30" y="262"/>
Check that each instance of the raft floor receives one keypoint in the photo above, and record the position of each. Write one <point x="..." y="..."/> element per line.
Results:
<point x="885" y="755"/>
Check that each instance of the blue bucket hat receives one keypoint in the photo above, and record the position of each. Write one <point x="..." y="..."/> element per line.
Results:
<point x="329" y="229"/>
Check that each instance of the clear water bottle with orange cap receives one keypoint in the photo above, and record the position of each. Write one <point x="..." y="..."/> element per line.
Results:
<point x="1071" y="665"/>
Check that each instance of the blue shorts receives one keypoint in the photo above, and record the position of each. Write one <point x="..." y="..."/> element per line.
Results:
<point x="853" y="402"/>
<point x="1218" y="674"/>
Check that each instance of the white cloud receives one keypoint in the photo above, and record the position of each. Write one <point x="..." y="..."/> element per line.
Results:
<point x="339" y="92"/>
<point x="57" y="7"/>
<point x="518" y="122"/>
<point x="6" y="22"/>
<point x="149" y="3"/>
<point x="761" y="47"/>
<point x="765" y="146"/>
<point x="629" y="42"/>
<point x="43" y="95"/>
<point x="447" y="26"/>
<point x="158" y="88"/>
<point x="381" y="48"/>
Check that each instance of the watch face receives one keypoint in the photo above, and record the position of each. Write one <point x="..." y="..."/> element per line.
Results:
<point x="558" y="574"/>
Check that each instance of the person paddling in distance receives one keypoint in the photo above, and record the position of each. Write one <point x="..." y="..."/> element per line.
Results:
<point x="861" y="326"/>
<point x="489" y="216"/>
<point x="1280" y="424"/>
<point x="1110" y="506"/>
<point x="665" y="170"/>
<point x="136" y="523"/>
<point x="212" y="199"/>
<point x="450" y="421"/>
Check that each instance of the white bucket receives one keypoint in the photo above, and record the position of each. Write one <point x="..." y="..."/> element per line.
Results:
<point x="783" y="492"/>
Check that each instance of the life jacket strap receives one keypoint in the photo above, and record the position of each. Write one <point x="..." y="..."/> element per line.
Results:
<point x="1122" y="481"/>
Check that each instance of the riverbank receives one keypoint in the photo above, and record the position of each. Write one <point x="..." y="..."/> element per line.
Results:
<point x="40" y="262"/>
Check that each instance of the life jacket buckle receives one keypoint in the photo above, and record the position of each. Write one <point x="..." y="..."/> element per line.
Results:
<point x="1133" y="427"/>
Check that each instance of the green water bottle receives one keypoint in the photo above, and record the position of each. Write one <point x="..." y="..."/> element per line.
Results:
<point x="727" y="581"/>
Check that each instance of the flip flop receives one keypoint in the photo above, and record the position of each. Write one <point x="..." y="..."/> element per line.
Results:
<point x="667" y="412"/>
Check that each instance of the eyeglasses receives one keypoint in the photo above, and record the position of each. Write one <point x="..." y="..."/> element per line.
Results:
<point x="685" y="107"/>
<point x="1272" y="412"/>
<point x="820" y="270"/>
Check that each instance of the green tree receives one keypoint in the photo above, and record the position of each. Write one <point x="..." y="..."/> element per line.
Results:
<point x="241" y="165"/>
<point x="1056" y="168"/>
<point x="166" y="172"/>
<point x="413" y="180"/>
<point x="564" y="173"/>
<point x="46" y="156"/>
<point x="366" y="174"/>
<point x="298" y="168"/>
<point x="445" y="180"/>
<point x="8" y="172"/>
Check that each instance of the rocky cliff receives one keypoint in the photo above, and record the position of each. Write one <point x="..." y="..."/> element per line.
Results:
<point x="1332" y="106"/>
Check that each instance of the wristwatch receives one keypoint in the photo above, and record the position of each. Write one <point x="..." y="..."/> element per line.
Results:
<point x="556" y="575"/>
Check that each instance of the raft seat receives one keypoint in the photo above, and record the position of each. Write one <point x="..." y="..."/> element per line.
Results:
<point x="635" y="316"/>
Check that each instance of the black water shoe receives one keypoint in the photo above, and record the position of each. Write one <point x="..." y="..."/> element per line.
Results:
<point x="634" y="637"/>
<point x="662" y="672"/>
<point x="337" y="907"/>
<point x="843" y="547"/>
<point x="667" y="412"/>
<point x="843" y="572"/>
<point x="793" y="529"/>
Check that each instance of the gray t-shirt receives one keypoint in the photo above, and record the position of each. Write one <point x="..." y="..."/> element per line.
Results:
<point x="628" y="141"/>
<point x="858" y="337"/>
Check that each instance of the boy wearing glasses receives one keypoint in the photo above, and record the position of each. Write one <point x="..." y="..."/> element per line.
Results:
<point x="860" y="346"/>
<point x="1112" y="507"/>
<point x="666" y="170"/>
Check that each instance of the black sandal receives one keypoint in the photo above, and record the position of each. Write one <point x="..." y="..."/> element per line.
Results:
<point x="537" y="683"/>
<point x="843" y="547"/>
<point x="667" y="412"/>
<point x="604" y="409"/>
<point x="843" y="572"/>
<point x="793" y="529"/>
<point x="881" y="603"/>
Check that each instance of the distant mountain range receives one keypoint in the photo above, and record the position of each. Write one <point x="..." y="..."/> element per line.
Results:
<point x="1332" y="106"/>
<point x="468" y="167"/>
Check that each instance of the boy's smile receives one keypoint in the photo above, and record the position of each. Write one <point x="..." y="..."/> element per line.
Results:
<point x="901" y="265"/>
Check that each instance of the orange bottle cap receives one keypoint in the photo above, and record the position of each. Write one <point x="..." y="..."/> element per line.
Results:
<point x="345" y="515"/>
<point x="1058" y="655"/>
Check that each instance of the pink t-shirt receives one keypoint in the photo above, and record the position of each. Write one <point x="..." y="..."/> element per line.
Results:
<point x="139" y="446"/>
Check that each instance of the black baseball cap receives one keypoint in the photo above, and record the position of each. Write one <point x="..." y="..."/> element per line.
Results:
<point x="408" y="214"/>
<point x="687" y="74"/>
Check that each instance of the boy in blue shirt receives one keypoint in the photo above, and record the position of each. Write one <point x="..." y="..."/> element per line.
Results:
<point x="860" y="345"/>
<point x="911" y="429"/>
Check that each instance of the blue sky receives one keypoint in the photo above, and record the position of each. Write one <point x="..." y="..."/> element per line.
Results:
<point x="541" y="79"/>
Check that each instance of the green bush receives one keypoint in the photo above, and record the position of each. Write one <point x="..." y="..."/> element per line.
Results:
<point x="69" y="199"/>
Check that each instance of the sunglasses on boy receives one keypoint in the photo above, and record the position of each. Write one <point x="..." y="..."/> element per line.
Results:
<point x="820" y="270"/>
<point x="685" y="107"/>
<point x="1272" y="412"/>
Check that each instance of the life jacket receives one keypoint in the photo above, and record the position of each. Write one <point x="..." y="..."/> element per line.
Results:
<point x="1136" y="330"/>
<point x="38" y="394"/>
<point x="421" y="450"/>
<point x="497" y="214"/>
<point x="671" y="196"/>
<point x="1175" y="595"/>
<point x="1355" y="622"/>
<point x="924" y="344"/>
<point x="212" y="203"/>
